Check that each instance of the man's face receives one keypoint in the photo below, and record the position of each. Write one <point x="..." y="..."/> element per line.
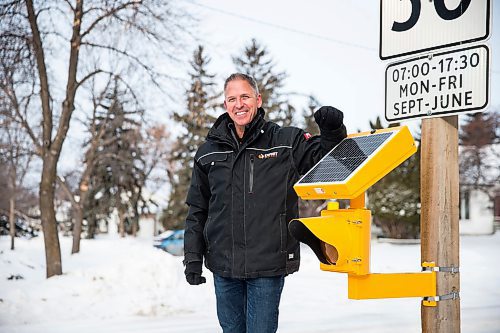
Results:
<point x="241" y="103"/>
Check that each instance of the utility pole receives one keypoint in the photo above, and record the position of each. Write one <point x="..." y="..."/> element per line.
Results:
<point x="439" y="220"/>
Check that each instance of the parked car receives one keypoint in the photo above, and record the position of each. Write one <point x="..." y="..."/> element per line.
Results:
<point x="171" y="241"/>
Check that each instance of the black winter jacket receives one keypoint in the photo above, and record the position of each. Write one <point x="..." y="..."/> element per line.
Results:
<point x="241" y="197"/>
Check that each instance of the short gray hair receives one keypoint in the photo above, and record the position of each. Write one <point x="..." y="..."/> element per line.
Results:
<point x="240" y="76"/>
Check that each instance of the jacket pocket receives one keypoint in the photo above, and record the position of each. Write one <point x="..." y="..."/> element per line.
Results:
<point x="252" y="171"/>
<point x="213" y="158"/>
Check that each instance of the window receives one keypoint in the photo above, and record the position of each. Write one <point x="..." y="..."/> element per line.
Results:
<point x="464" y="208"/>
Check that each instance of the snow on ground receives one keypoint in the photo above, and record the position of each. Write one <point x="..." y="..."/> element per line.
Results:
<point x="126" y="285"/>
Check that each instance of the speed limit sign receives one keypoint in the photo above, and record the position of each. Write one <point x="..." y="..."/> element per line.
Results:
<point x="412" y="26"/>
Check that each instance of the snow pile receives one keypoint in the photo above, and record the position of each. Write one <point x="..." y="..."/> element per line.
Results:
<point x="110" y="278"/>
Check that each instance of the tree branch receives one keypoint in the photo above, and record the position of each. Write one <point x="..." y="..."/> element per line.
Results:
<point x="42" y="73"/>
<point x="122" y="52"/>
<point x="88" y="76"/>
<point x="71" y="85"/>
<point x="67" y="191"/>
<point x="11" y="94"/>
<point x="108" y="14"/>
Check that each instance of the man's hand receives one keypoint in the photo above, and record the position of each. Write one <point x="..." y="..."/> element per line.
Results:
<point x="193" y="273"/>
<point x="329" y="118"/>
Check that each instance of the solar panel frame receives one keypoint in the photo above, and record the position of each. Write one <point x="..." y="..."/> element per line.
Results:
<point x="387" y="136"/>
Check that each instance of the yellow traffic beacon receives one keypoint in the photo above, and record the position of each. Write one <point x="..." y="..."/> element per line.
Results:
<point x="340" y="238"/>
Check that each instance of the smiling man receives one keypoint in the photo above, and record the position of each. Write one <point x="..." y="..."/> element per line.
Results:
<point x="240" y="201"/>
<point x="241" y="103"/>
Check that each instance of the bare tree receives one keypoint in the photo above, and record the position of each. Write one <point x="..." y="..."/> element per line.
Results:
<point x="154" y="145"/>
<point x="156" y="150"/>
<point x="98" y="30"/>
<point x="479" y="153"/>
<point x="15" y="151"/>
<point x="78" y="196"/>
<point x="16" y="156"/>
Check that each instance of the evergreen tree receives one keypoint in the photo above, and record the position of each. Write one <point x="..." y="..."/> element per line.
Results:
<point x="118" y="176"/>
<point x="201" y="106"/>
<point x="310" y="124"/>
<point x="395" y="199"/>
<point x="308" y="208"/>
<point x="256" y="62"/>
<point x="480" y="129"/>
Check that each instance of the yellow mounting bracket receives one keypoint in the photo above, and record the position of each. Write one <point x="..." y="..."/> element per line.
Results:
<point x="393" y="285"/>
<point x="340" y="238"/>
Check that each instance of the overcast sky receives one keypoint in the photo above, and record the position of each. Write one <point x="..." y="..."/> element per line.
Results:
<point x="328" y="48"/>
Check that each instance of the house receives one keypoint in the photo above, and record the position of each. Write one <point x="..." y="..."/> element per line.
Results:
<point x="478" y="211"/>
<point x="479" y="190"/>
<point x="149" y="226"/>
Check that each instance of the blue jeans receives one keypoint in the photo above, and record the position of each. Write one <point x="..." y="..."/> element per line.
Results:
<point x="248" y="305"/>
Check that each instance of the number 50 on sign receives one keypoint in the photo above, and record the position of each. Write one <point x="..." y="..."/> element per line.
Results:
<point x="412" y="26"/>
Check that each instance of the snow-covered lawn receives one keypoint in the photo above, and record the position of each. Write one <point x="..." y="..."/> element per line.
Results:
<point x="126" y="285"/>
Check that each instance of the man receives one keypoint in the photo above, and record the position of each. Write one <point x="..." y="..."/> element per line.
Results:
<point x="240" y="201"/>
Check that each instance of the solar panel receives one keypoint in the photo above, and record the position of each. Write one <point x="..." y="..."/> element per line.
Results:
<point x="356" y="163"/>
<point x="344" y="159"/>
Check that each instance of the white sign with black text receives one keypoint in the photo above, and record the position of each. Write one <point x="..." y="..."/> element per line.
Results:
<point x="441" y="84"/>
<point x="412" y="26"/>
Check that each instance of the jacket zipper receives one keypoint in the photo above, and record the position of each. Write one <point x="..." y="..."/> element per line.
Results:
<point x="252" y="158"/>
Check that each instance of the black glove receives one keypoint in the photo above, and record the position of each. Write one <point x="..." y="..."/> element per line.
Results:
<point x="329" y="118"/>
<point x="193" y="273"/>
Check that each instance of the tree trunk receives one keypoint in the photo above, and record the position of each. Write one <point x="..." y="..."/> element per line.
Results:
<point x="12" y="222"/>
<point x="77" y="217"/>
<point x="121" y="225"/>
<point x="48" y="216"/>
<point x="134" y="228"/>
<point x="91" y="227"/>
<point x="77" y="229"/>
